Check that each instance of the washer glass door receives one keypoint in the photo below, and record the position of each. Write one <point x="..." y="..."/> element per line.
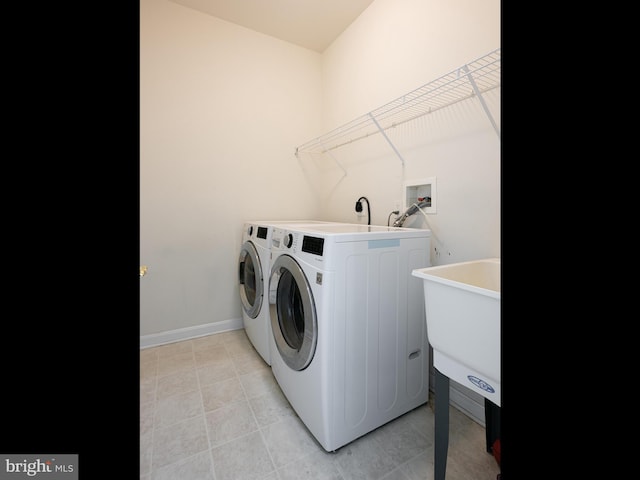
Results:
<point x="250" y="276"/>
<point x="293" y="313"/>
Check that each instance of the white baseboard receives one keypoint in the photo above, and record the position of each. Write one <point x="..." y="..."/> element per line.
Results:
<point x="187" y="333"/>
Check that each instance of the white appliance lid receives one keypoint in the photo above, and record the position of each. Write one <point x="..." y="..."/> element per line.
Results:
<point x="357" y="231"/>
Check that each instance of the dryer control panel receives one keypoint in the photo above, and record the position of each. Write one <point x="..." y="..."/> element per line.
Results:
<point x="305" y="246"/>
<point x="314" y="245"/>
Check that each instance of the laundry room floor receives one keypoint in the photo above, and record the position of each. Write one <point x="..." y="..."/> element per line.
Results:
<point x="210" y="409"/>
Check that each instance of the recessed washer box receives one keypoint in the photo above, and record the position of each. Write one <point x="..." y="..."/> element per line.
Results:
<point x="414" y="189"/>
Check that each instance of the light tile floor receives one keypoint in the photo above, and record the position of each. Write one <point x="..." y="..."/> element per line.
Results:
<point x="210" y="409"/>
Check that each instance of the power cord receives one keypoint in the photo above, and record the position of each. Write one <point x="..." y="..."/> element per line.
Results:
<point x="359" y="208"/>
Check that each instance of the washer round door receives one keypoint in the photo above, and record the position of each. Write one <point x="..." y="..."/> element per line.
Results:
<point x="293" y="313"/>
<point x="251" y="281"/>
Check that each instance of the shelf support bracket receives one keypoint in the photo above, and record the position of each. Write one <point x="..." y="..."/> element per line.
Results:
<point x="344" y="172"/>
<point x="387" y="138"/>
<point x="482" y="102"/>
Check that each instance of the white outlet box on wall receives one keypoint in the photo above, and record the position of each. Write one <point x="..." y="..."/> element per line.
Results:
<point x="414" y="189"/>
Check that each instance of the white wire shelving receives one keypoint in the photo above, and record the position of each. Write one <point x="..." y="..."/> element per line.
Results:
<point x="472" y="79"/>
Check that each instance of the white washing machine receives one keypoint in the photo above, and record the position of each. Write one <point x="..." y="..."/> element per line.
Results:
<point x="254" y="265"/>
<point x="349" y="345"/>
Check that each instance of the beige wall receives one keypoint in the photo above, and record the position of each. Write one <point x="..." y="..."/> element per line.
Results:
<point x="222" y="109"/>
<point x="394" y="47"/>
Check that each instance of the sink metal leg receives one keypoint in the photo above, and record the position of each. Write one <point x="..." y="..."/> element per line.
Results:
<point x="441" y="445"/>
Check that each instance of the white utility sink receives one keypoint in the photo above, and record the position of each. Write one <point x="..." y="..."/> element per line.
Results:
<point x="462" y="302"/>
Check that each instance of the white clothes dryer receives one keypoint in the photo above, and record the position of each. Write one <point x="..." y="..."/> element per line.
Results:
<point x="254" y="265"/>
<point x="349" y="345"/>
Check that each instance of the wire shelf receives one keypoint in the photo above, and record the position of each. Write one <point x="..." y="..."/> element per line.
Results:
<point x="469" y="80"/>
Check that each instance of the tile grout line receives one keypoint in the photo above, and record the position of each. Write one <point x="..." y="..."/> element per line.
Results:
<point x="253" y="413"/>
<point x="185" y="419"/>
<point x="204" y="414"/>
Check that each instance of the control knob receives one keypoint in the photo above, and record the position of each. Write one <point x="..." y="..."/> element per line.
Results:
<point x="288" y="240"/>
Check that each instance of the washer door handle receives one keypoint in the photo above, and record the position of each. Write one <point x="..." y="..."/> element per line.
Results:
<point x="241" y="273"/>
<point x="273" y="285"/>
